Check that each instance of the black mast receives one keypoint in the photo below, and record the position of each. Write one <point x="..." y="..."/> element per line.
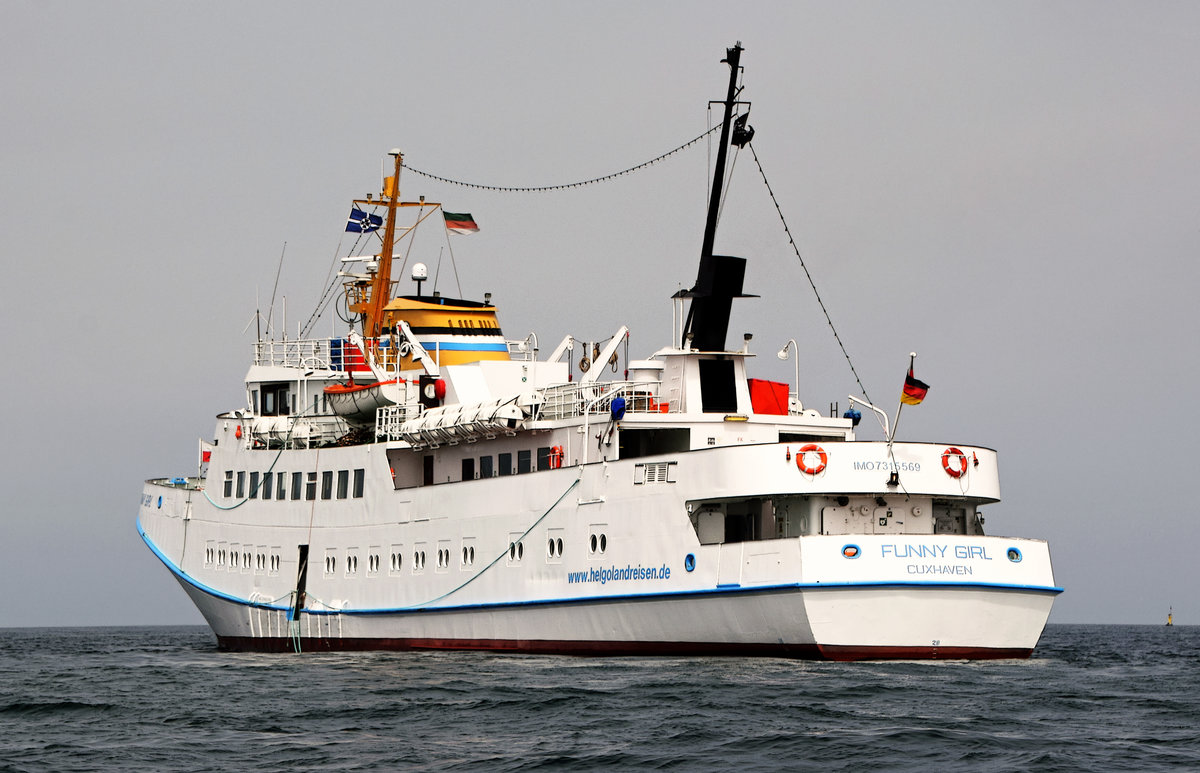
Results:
<point x="719" y="279"/>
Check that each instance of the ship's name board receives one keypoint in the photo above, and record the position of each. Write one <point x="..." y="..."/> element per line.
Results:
<point x="937" y="552"/>
<point x="934" y="550"/>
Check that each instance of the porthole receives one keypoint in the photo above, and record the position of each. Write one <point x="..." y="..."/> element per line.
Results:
<point x="592" y="544"/>
<point x="559" y="545"/>
<point x="471" y="554"/>
<point x="512" y="551"/>
<point x="550" y="548"/>
<point x="603" y="543"/>
<point x="520" y="550"/>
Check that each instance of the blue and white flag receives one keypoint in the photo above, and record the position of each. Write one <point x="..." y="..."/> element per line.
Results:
<point x="360" y="222"/>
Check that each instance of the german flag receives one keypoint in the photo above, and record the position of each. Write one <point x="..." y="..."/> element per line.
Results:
<point x="914" y="390"/>
<point x="460" y="222"/>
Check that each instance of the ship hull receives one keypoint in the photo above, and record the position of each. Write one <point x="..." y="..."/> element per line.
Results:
<point x="666" y="585"/>
<point x="843" y="624"/>
<point x="762" y="623"/>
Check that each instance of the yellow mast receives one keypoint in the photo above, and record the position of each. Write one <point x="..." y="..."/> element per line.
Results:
<point x="371" y="306"/>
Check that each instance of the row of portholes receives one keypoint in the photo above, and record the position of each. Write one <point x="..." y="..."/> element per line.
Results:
<point x="597" y="545"/>
<point x="233" y="559"/>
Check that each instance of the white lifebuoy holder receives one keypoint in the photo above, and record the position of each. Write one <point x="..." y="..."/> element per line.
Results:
<point x="954" y="471"/>
<point x="802" y="457"/>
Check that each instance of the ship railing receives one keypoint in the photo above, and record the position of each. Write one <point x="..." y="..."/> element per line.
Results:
<point x="189" y="484"/>
<point x="332" y="354"/>
<point x="565" y="401"/>
<point x="389" y="418"/>
<point x="311" y="353"/>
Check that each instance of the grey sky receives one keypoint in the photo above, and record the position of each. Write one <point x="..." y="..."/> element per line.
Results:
<point x="1010" y="189"/>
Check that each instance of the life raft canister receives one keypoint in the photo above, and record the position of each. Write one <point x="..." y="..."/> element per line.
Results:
<point x="802" y="454"/>
<point x="556" y="457"/>
<point x="954" y="471"/>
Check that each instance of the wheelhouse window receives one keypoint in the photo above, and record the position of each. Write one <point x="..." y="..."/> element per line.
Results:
<point x="327" y="484"/>
<point x="275" y="399"/>
<point x="343" y="484"/>
<point x="310" y="486"/>
<point x="359" y="475"/>
<point x="297" y="484"/>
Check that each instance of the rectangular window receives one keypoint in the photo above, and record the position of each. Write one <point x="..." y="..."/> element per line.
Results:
<point x="275" y="399"/>
<point x="280" y="485"/>
<point x="428" y="470"/>
<point x="505" y="463"/>
<point x="543" y="458"/>
<point x="310" y="486"/>
<point x="254" y="485"/>
<point x="485" y="467"/>
<point x="297" y="483"/>
<point x="241" y="484"/>
<point x="327" y="484"/>
<point x="468" y="468"/>
<point x="268" y="477"/>
<point x="359" y="474"/>
<point x="343" y="484"/>
<point x="524" y="461"/>
<point x="254" y="399"/>
<point x="228" y="483"/>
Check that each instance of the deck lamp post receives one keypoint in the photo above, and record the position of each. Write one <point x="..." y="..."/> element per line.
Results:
<point x="783" y="354"/>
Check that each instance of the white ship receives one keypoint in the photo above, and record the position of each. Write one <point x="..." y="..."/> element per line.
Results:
<point x="424" y="483"/>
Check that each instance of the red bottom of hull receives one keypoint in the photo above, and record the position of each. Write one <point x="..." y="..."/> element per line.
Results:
<point x="614" y="648"/>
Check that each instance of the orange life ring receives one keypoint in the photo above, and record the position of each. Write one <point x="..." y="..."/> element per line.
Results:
<point x="953" y="472"/>
<point x="556" y="457"/>
<point x="815" y="449"/>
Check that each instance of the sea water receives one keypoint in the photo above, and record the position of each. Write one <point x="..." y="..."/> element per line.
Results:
<point x="154" y="699"/>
